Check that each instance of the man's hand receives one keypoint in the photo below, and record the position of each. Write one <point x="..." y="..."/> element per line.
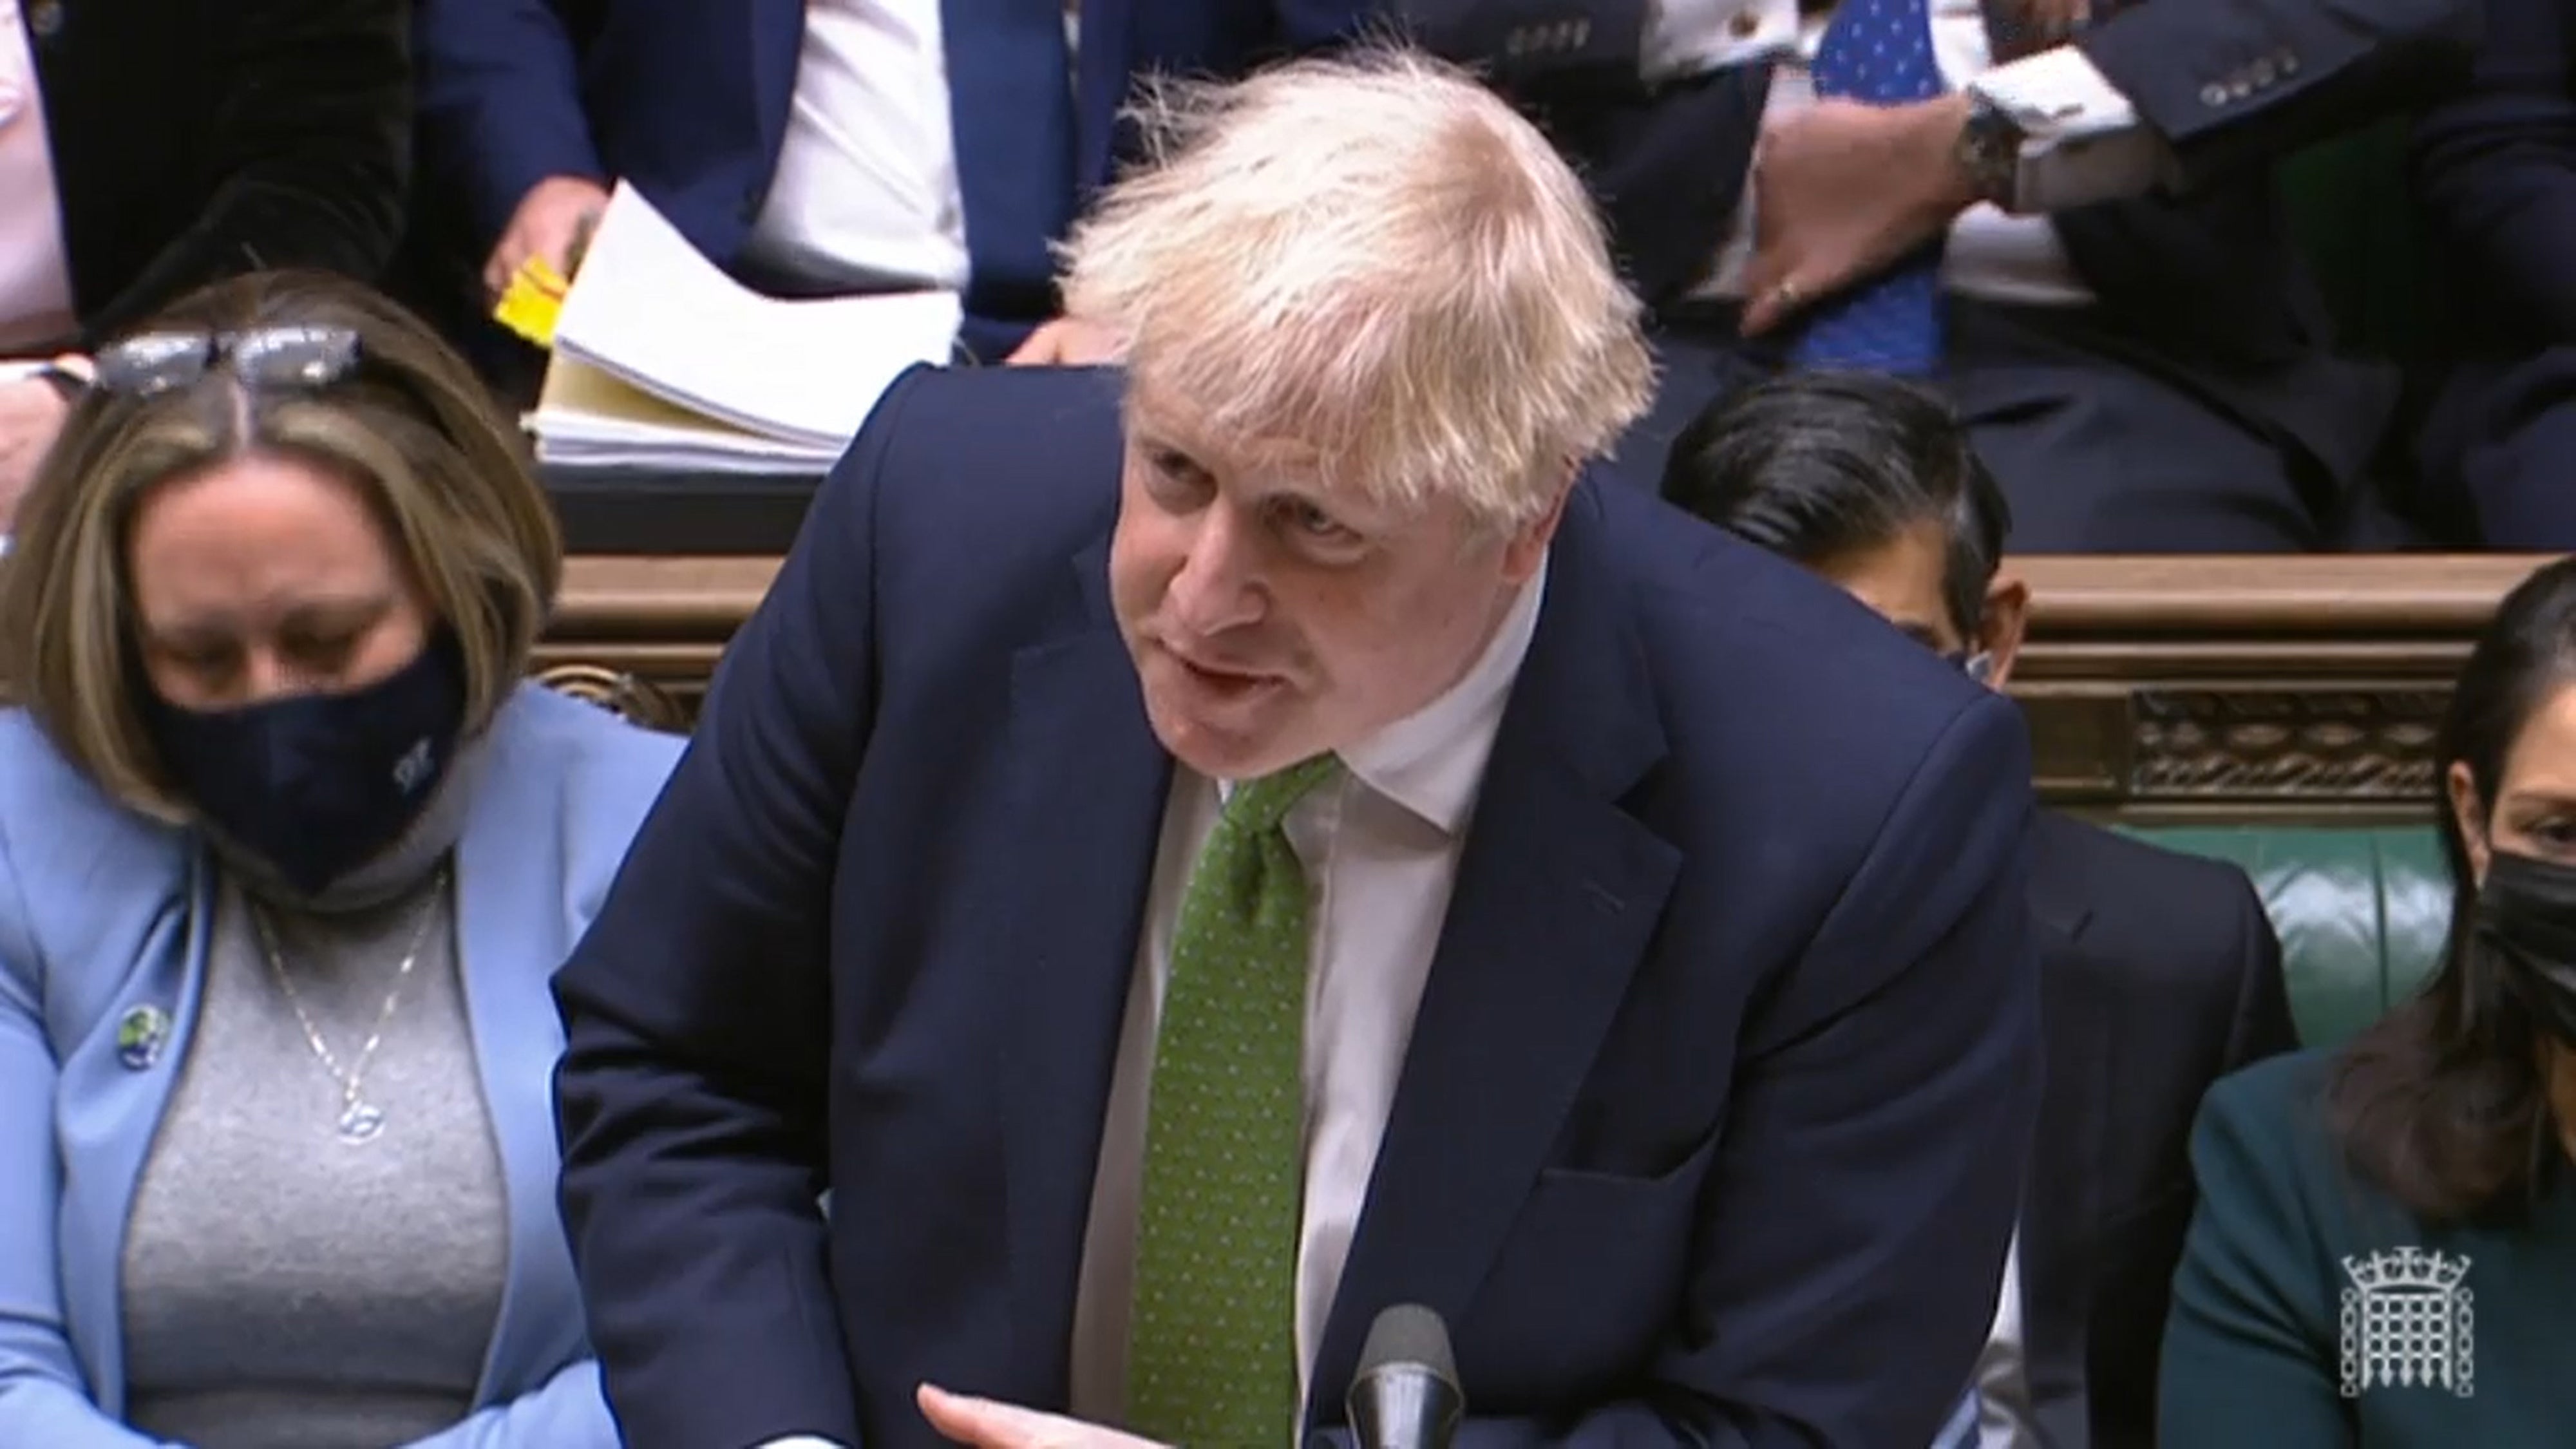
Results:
<point x="31" y="413"/>
<point x="989" y="1425"/>
<point x="1067" y="342"/>
<point x="553" y="221"/>
<point x="1841" y="190"/>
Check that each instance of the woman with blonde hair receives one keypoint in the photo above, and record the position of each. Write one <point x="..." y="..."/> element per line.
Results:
<point x="288" y="854"/>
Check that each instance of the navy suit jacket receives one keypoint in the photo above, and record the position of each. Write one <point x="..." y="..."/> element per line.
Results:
<point x="2159" y="974"/>
<point x="1709" y="1127"/>
<point x="688" y="99"/>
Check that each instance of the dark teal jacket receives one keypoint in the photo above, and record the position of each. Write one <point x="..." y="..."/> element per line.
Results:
<point x="2313" y="1312"/>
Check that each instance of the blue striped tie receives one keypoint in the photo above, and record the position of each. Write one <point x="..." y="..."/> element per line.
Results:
<point x="1880" y="52"/>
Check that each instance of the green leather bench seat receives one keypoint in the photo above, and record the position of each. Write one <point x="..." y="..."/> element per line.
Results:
<point x="2361" y="911"/>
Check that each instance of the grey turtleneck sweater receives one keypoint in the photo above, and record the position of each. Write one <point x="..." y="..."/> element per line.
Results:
<point x="284" y="1289"/>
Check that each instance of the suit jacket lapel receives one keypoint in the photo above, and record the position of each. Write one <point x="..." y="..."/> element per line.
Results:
<point x="1089" y="786"/>
<point x="1558" y="895"/>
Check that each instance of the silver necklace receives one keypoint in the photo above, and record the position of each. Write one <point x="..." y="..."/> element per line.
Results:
<point x="361" y="1121"/>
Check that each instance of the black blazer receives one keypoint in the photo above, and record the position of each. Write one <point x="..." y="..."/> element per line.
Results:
<point x="2230" y="87"/>
<point x="2159" y="974"/>
<point x="198" y="139"/>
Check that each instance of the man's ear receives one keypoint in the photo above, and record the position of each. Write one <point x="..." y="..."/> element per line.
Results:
<point x="1528" y="542"/>
<point x="2002" y="627"/>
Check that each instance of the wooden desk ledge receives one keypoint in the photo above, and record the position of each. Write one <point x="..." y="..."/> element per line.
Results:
<point x="2238" y="688"/>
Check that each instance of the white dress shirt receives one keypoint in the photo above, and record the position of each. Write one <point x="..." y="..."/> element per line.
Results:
<point x="1380" y="841"/>
<point x="35" y="275"/>
<point x="2082" y="143"/>
<point x="865" y="195"/>
<point x="2004" y="1417"/>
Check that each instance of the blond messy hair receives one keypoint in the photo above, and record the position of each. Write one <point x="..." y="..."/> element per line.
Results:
<point x="1374" y="260"/>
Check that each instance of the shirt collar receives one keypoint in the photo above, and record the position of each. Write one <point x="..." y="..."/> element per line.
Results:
<point x="1432" y="761"/>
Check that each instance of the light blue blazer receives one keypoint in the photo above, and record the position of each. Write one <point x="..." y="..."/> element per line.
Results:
<point x="103" y="911"/>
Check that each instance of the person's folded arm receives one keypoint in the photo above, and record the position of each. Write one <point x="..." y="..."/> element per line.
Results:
<point x="310" y="148"/>
<point x="500" y="103"/>
<point x="1851" y="1234"/>
<point x="44" y="1397"/>
<point x="2245" y="1344"/>
<point x="694" y="1083"/>
<point x="2229" y="86"/>
<point x="2495" y="168"/>
<point x="2178" y="94"/>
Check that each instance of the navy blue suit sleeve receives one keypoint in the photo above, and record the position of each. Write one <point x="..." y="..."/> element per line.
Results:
<point x="1518" y="43"/>
<point x="1302" y="26"/>
<point x="1851" y="1235"/>
<point x="500" y="102"/>
<point x="2495" y="167"/>
<point x="2234" y="85"/>
<point x="696" y="1015"/>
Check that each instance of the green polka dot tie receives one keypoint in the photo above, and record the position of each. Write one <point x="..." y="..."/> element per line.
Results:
<point x="1212" y="1360"/>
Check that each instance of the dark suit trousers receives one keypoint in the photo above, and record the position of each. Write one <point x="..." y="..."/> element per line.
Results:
<point x="2100" y="447"/>
<point x="2496" y="451"/>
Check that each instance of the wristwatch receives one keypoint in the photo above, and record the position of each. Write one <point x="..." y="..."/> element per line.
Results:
<point x="1989" y="151"/>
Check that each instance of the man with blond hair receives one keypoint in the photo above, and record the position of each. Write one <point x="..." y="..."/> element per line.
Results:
<point x="1187" y="857"/>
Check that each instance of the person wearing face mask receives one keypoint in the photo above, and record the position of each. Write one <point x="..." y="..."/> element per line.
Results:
<point x="2162" y="963"/>
<point x="288" y="850"/>
<point x="2385" y="1247"/>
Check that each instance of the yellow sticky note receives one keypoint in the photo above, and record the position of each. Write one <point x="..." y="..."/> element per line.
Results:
<point x="533" y="301"/>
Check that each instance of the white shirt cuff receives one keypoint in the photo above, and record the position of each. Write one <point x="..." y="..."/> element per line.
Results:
<point x="1685" y="38"/>
<point x="799" y="1441"/>
<point x="2082" y="140"/>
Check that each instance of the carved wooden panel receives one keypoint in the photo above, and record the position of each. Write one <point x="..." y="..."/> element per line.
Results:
<point x="2339" y="744"/>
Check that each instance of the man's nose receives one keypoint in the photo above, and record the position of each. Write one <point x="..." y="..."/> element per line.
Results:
<point x="1219" y="585"/>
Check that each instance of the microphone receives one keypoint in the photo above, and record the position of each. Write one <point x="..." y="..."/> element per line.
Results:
<point x="1406" y="1394"/>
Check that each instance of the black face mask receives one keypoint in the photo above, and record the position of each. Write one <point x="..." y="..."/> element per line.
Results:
<point x="2526" y="917"/>
<point x="319" y="784"/>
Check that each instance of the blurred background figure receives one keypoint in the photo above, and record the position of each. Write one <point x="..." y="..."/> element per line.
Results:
<point x="149" y="147"/>
<point x="2062" y="212"/>
<point x="810" y="149"/>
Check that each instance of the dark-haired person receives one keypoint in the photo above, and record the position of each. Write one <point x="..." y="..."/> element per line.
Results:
<point x="2159" y="971"/>
<point x="2385" y="1252"/>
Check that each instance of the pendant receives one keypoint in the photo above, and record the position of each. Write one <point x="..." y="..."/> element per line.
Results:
<point x="360" y="1123"/>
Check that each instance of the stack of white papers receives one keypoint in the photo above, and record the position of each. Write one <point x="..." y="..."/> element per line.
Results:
<point x="662" y="361"/>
